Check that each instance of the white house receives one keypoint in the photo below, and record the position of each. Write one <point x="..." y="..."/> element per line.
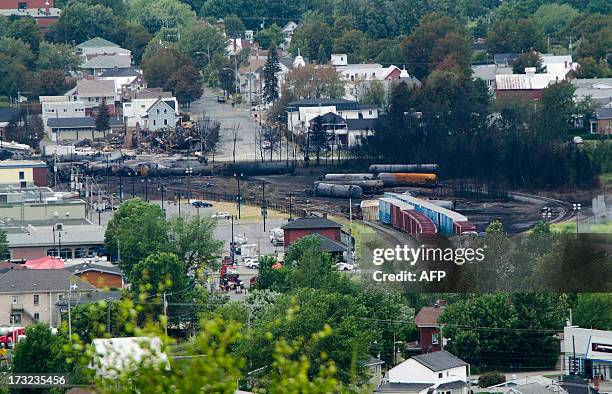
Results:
<point x="142" y="110"/>
<point x="60" y="107"/>
<point x="431" y="373"/>
<point x="92" y="92"/>
<point x="288" y="31"/>
<point x="124" y="79"/>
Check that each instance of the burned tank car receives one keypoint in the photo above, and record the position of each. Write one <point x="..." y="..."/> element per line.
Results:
<point x="404" y="168"/>
<point x="323" y="189"/>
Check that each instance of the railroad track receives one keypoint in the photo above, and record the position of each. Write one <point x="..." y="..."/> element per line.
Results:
<point x="566" y="209"/>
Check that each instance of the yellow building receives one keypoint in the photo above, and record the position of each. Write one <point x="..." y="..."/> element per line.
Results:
<point x="23" y="173"/>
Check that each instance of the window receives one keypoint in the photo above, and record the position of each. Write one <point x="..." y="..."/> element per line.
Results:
<point x="14" y="299"/>
<point x="370" y="112"/>
<point x="23" y="184"/>
<point x="66" y="253"/>
<point x="65" y="110"/>
<point x="165" y="110"/>
<point x="154" y="122"/>
<point x="80" y="253"/>
<point x="157" y="110"/>
<point x="434" y="339"/>
<point x="21" y="175"/>
<point x="51" y="252"/>
<point x="360" y="115"/>
<point x="6" y="255"/>
<point x="36" y="299"/>
<point x="165" y="122"/>
<point x="440" y="375"/>
<point x="15" y="318"/>
<point x="22" y="5"/>
<point x="60" y="297"/>
<point x="36" y="316"/>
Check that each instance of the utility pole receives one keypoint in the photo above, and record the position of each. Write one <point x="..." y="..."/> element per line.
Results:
<point x="165" y="314"/>
<point x="120" y="187"/>
<point x="232" y="246"/>
<point x="264" y="207"/>
<point x="239" y="197"/>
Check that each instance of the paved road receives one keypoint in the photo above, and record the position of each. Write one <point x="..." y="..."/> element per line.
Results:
<point x="229" y="116"/>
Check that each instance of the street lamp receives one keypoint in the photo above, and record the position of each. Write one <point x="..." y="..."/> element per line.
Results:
<point x="179" y="202"/>
<point x="132" y="174"/>
<point x="162" y="188"/>
<point x="239" y="196"/>
<point x="188" y="172"/>
<point x="232" y="245"/>
<point x="576" y="208"/>
<point x="145" y="185"/>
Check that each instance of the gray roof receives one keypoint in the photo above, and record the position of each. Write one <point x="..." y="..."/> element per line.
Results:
<point x="439" y="361"/>
<point x="360" y="124"/>
<point x="604" y="113"/>
<point x="87" y="234"/>
<point x="505" y="58"/>
<point x="329" y="245"/>
<point x="108" y="61"/>
<point x="324" y="102"/>
<point x="391" y="387"/>
<point x="97" y="42"/>
<point x="85" y="122"/>
<point x="8" y="114"/>
<point x="95" y="88"/>
<point x="29" y="280"/>
<point x="23" y="164"/>
<point x="95" y="296"/>
<point x="455" y="384"/>
<point x="590" y="82"/>
<point x="120" y="72"/>
<point x="310" y="223"/>
<point x="532" y="388"/>
<point x="87" y="267"/>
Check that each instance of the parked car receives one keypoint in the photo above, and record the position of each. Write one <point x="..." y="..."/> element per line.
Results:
<point x="221" y="215"/>
<point x="578" y="140"/>
<point x="220" y="99"/>
<point x="201" y="204"/>
<point x="252" y="262"/>
<point x="345" y="267"/>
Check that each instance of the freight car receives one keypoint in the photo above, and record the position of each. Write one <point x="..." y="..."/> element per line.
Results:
<point x="349" y="177"/>
<point x="394" y="168"/>
<point x="407" y="179"/>
<point x="339" y="191"/>
<point x="370" y="185"/>
<point x="264" y="168"/>
<point x="421" y="215"/>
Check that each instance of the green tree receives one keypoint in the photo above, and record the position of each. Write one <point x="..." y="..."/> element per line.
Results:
<point x="373" y="94"/>
<point x="40" y="352"/>
<point x="559" y="98"/>
<point x="103" y="117"/>
<point x="314" y="82"/>
<point x="136" y="230"/>
<point x="488" y="379"/>
<point x="186" y="84"/>
<point x="26" y="30"/>
<point x="80" y="21"/>
<point x="435" y="39"/>
<point x="527" y="59"/>
<point x="272" y="67"/>
<point x="508" y="35"/>
<point x="353" y="43"/>
<point x="192" y="239"/>
<point x="593" y="310"/>
<point x="555" y="18"/>
<point x="234" y="27"/>
<point x="51" y="83"/>
<point x="90" y="321"/>
<point x="163" y="272"/>
<point x="136" y="39"/>
<point x="158" y="69"/>
<point x="313" y="38"/>
<point x="18" y="50"/>
<point x="57" y="57"/>
<point x="4" y="245"/>
<point x="202" y="42"/>
<point x="157" y="14"/>
<point x="267" y="37"/>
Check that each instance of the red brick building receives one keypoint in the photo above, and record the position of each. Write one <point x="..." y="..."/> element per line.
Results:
<point x="43" y="11"/>
<point x="429" y="328"/>
<point x="302" y="227"/>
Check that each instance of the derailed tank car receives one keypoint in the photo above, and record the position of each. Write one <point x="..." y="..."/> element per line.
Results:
<point x="264" y="168"/>
<point x="408" y="179"/>
<point x="349" y="177"/>
<point x="323" y="189"/>
<point x="404" y="168"/>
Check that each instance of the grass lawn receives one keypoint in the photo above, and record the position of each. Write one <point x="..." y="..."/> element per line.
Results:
<point x="364" y="235"/>
<point x="570" y="227"/>
<point x="247" y="211"/>
<point x="606" y="179"/>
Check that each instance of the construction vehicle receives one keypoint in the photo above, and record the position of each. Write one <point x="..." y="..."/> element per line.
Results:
<point x="9" y="336"/>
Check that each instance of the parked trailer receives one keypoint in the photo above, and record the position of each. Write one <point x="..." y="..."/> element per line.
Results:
<point x="340" y="191"/>
<point x="407" y="179"/>
<point x="404" y="168"/>
<point x="372" y="185"/>
<point x="349" y="177"/>
<point x="265" y="168"/>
